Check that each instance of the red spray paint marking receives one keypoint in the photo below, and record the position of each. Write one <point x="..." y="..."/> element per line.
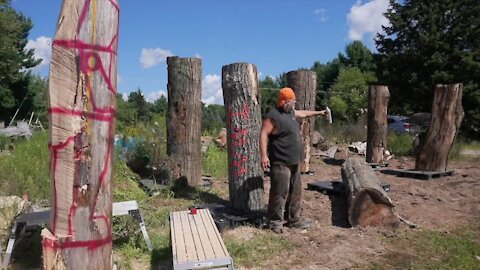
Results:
<point x="237" y="139"/>
<point x="78" y="44"/>
<point x="104" y="117"/>
<point x="83" y="15"/>
<point x="91" y="244"/>
<point x="86" y="52"/>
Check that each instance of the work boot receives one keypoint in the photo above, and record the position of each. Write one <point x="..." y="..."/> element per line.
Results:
<point x="278" y="229"/>
<point x="300" y="224"/>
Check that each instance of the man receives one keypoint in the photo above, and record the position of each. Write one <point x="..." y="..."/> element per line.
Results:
<point x="281" y="131"/>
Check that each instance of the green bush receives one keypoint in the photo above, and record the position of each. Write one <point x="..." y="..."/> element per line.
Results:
<point x="399" y="144"/>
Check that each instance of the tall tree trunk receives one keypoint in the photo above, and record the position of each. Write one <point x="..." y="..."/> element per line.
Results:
<point x="242" y="104"/>
<point x="368" y="203"/>
<point x="447" y="116"/>
<point x="304" y="84"/>
<point x="184" y="118"/>
<point x="82" y="89"/>
<point x="378" y="96"/>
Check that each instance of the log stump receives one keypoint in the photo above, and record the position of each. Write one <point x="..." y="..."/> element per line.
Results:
<point x="304" y="83"/>
<point x="368" y="203"/>
<point x="378" y="96"/>
<point x="82" y="89"/>
<point x="184" y="118"/>
<point x="447" y="116"/>
<point x="243" y="113"/>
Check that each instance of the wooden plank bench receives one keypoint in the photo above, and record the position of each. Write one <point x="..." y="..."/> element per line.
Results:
<point x="196" y="242"/>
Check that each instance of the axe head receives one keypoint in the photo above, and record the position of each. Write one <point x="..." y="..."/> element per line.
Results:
<point x="329" y="115"/>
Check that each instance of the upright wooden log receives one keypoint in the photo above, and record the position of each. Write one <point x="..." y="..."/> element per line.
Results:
<point x="447" y="116"/>
<point x="368" y="203"/>
<point x="304" y="84"/>
<point x="184" y="118"/>
<point x="82" y="89"/>
<point x="242" y="105"/>
<point x="378" y="96"/>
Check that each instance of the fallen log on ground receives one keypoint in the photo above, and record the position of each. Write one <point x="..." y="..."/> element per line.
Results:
<point x="368" y="203"/>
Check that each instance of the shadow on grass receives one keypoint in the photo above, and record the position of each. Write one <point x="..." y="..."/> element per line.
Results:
<point x="161" y="259"/>
<point x="200" y="195"/>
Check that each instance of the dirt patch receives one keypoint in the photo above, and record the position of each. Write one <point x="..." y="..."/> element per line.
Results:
<point x="440" y="204"/>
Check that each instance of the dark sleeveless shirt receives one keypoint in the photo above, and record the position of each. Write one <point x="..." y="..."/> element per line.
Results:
<point x="285" y="147"/>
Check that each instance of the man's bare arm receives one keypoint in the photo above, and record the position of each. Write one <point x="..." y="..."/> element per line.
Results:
<point x="305" y="113"/>
<point x="267" y="128"/>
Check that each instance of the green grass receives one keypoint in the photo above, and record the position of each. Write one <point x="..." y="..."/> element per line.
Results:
<point x="26" y="168"/>
<point x="254" y="252"/>
<point x="215" y="162"/>
<point x="428" y="249"/>
<point x="463" y="144"/>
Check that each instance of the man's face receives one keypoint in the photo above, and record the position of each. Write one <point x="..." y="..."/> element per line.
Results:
<point x="289" y="104"/>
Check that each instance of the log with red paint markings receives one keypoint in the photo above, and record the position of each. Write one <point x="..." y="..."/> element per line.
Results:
<point x="82" y="89"/>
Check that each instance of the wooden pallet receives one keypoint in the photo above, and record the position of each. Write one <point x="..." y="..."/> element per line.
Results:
<point x="377" y="166"/>
<point x="325" y="187"/>
<point x="425" y="175"/>
<point x="196" y="242"/>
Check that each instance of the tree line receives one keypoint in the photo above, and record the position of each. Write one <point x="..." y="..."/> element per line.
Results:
<point x="425" y="43"/>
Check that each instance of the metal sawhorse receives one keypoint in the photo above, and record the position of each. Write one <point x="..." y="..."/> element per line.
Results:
<point x="35" y="219"/>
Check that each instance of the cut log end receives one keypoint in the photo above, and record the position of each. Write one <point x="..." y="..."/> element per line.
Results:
<point x="369" y="208"/>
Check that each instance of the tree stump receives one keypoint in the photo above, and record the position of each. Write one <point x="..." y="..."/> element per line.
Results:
<point x="378" y="96"/>
<point x="447" y="116"/>
<point x="304" y="83"/>
<point x="82" y="89"/>
<point x="184" y="118"/>
<point x="368" y="203"/>
<point x="242" y="105"/>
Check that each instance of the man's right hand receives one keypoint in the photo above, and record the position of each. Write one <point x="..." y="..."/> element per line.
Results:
<point x="265" y="163"/>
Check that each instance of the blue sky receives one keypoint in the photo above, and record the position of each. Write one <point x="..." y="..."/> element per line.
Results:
<point x="275" y="35"/>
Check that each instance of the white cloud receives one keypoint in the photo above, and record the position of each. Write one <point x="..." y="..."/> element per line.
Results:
<point x="321" y="14"/>
<point x="42" y="47"/>
<point x="152" y="96"/>
<point x="152" y="57"/>
<point x="212" y="89"/>
<point x="259" y="74"/>
<point x="367" y="18"/>
<point x="119" y="79"/>
<point x="124" y="96"/>
<point x="198" y="56"/>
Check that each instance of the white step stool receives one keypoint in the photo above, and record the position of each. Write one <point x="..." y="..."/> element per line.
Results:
<point x="196" y="242"/>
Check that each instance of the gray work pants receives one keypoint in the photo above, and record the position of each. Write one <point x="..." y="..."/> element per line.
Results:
<point x="285" y="195"/>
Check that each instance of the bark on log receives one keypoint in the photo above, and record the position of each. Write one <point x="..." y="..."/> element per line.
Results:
<point x="447" y="116"/>
<point x="82" y="89"/>
<point x="368" y="203"/>
<point x="304" y="84"/>
<point x="184" y="118"/>
<point x="242" y="105"/>
<point x="378" y="96"/>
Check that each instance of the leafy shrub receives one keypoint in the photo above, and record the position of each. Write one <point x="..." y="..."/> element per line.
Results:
<point x="399" y="144"/>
